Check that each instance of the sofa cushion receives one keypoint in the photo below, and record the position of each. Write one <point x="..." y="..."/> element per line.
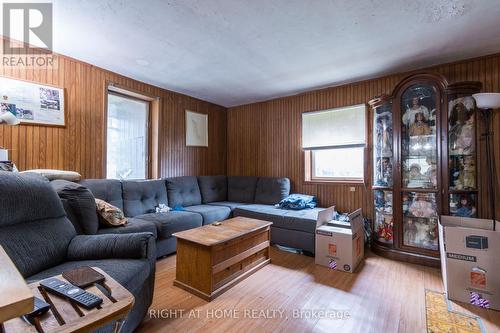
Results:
<point x="143" y="196"/>
<point x="130" y="273"/>
<point x="271" y="190"/>
<point x="241" y="188"/>
<point x="109" y="190"/>
<point x="133" y="225"/>
<point x="109" y="215"/>
<point x="82" y="204"/>
<point x="211" y="213"/>
<point x="304" y="220"/>
<point x="213" y="188"/>
<point x="183" y="191"/>
<point x="230" y="204"/>
<point x="172" y="222"/>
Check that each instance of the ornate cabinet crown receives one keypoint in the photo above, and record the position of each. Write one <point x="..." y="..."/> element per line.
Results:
<point x="424" y="164"/>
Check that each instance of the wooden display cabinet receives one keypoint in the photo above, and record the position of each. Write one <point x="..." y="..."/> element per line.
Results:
<point x="423" y="160"/>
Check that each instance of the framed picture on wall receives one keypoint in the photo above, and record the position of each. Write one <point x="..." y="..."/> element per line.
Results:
<point x="32" y="103"/>
<point x="196" y="129"/>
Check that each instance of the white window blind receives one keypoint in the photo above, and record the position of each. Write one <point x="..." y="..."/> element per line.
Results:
<point x="342" y="127"/>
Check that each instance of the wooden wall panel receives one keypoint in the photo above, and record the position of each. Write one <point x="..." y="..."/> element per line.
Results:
<point x="79" y="146"/>
<point x="264" y="138"/>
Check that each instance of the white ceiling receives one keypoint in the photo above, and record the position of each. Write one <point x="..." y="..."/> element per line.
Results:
<point x="233" y="52"/>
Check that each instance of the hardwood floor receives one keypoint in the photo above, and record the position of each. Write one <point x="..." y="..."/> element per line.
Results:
<point x="384" y="296"/>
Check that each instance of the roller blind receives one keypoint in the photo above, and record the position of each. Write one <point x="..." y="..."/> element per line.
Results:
<point x="342" y="127"/>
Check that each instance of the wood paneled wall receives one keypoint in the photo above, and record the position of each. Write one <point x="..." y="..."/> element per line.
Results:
<point x="264" y="138"/>
<point x="79" y="146"/>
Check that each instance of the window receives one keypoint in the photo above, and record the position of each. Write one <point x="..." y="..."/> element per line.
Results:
<point x="127" y="137"/>
<point x="335" y="141"/>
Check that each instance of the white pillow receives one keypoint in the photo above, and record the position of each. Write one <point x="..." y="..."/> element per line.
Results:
<point x="50" y="174"/>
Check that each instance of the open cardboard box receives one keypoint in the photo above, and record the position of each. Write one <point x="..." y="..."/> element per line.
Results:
<point x="339" y="245"/>
<point x="470" y="260"/>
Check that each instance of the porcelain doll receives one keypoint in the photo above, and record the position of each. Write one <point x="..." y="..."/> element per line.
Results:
<point x="409" y="115"/>
<point x="384" y="133"/>
<point x="410" y="232"/>
<point x="431" y="174"/>
<point x="465" y="207"/>
<point x="384" y="172"/>
<point x="385" y="229"/>
<point x="458" y="117"/>
<point x="419" y="126"/>
<point x="416" y="178"/>
<point x="406" y="203"/>
<point x="379" y="199"/>
<point x="467" y="177"/>
<point x="421" y="233"/>
<point x="421" y="207"/>
<point x="464" y="143"/>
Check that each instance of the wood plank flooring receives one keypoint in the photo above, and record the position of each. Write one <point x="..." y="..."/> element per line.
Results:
<point x="383" y="296"/>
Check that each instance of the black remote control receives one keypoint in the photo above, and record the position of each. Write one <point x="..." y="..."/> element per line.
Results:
<point x="69" y="291"/>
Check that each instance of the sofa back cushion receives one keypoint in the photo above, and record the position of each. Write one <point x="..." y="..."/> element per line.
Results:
<point x="183" y="191"/>
<point x="271" y="190"/>
<point x="34" y="230"/>
<point x="143" y="196"/>
<point x="109" y="190"/>
<point x="81" y="202"/>
<point x="241" y="188"/>
<point x="213" y="188"/>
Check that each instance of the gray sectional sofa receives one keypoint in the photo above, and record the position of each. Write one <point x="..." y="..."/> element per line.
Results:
<point x="204" y="200"/>
<point x="42" y="242"/>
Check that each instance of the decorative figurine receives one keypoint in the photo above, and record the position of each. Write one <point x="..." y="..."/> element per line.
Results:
<point x="464" y="175"/>
<point x="384" y="134"/>
<point x="419" y="126"/>
<point x="409" y="115"/>
<point x="465" y="207"/>
<point x="384" y="172"/>
<point x="421" y="207"/>
<point x="461" y="126"/>
<point x="464" y="143"/>
<point x="416" y="178"/>
<point x="384" y="230"/>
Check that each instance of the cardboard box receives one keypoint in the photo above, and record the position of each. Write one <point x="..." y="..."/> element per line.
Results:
<point x="340" y="245"/>
<point x="470" y="260"/>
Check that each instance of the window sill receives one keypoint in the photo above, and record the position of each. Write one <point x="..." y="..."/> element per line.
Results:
<point x="335" y="181"/>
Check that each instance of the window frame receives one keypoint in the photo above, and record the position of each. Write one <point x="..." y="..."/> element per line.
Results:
<point x="309" y="176"/>
<point x="152" y="160"/>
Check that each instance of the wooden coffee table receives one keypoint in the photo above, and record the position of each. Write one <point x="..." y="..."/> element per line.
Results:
<point x="213" y="258"/>
<point x="68" y="317"/>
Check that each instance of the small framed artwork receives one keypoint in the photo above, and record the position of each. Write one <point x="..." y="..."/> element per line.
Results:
<point x="196" y="129"/>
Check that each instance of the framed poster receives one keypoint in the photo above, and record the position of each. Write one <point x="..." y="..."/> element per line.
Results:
<point x="196" y="129"/>
<point x="32" y="103"/>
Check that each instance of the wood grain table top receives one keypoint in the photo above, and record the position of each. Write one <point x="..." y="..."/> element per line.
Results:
<point x="16" y="297"/>
<point x="76" y="318"/>
<point x="210" y="234"/>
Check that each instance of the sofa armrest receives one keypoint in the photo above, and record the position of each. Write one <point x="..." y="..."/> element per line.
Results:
<point x="113" y="246"/>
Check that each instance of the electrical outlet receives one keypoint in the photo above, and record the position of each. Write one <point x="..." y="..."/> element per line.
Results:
<point x="352" y="189"/>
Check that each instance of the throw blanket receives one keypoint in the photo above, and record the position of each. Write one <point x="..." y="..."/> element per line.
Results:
<point x="298" y="202"/>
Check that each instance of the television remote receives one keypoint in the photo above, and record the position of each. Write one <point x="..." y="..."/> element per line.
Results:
<point x="69" y="291"/>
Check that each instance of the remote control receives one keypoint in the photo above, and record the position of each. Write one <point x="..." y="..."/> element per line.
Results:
<point x="69" y="291"/>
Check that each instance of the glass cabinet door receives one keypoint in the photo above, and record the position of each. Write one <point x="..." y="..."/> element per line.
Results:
<point x="462" y="157"/>
<point x="418" y="137"/>
<point x="419" y="158"/>
<point x="382" y="145"/>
